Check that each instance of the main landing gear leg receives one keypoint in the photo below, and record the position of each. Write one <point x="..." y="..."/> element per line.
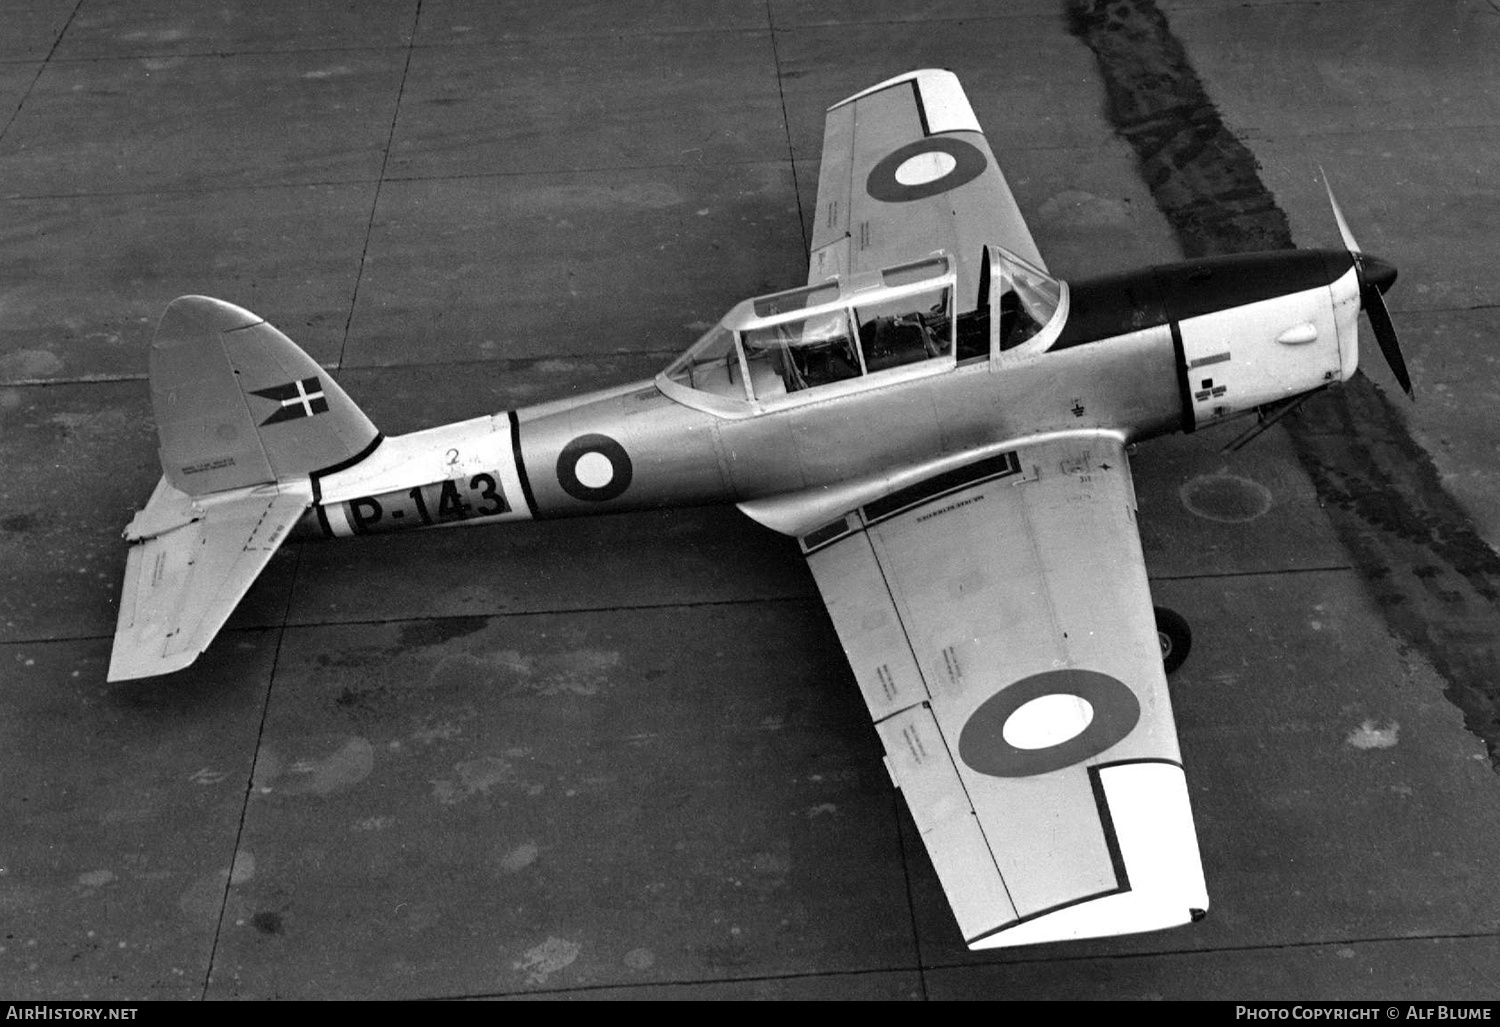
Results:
<point x="1175" y="636"/>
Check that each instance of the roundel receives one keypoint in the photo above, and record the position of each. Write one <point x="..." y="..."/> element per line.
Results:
<point x="1031" y="727"/>
<point x="593" y="468"/>
<point x="925" y="168"/>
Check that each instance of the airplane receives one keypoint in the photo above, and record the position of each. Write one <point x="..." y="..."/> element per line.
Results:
<point x="941" y="424"/>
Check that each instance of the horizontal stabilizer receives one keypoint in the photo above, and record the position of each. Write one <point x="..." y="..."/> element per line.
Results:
<point x="194" y="561"/>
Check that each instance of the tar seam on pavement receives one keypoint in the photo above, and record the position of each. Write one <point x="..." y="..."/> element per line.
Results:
<point x="1433" y="576"/>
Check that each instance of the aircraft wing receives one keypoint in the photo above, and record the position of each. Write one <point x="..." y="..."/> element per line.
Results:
<point x="905" y="171"/>
<point x="193" y="558"/>
<point x="999" y="622"/>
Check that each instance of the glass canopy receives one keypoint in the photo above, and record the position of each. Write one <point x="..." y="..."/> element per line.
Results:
<point x="873" y="328"/>
<point x="1029" y="297"/>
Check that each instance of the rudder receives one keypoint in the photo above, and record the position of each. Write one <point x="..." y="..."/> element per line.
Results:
<point x="239" y="404"/>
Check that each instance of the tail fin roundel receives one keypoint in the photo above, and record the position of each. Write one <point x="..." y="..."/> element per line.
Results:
<point x="239" y="404"/>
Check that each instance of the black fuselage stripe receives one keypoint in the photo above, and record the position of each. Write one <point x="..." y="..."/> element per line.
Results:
<point x="317" y="476"/>
<point x="515" y="450"/>
<point x="1184" y="387"/>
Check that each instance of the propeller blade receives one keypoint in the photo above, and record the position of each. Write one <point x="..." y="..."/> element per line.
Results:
<point x="1375" y="276"/>
<point x="1385" y="334"/>
<point x="1338" y="215"/>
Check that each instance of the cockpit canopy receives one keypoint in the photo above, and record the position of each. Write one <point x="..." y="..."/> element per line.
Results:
<point x="839" y="331"/>
<point x="1029" y="297"/>
<point x="861" y="331"/>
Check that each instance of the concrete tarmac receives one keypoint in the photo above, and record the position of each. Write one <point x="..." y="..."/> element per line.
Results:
<point x="624" y="758"/>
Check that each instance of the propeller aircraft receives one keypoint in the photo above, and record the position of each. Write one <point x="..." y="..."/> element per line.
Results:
<point x="943" y="426"/>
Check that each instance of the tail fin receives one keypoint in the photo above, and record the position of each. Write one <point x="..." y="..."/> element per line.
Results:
<point x="244" y="418"/>
<point x="239" y="404"/>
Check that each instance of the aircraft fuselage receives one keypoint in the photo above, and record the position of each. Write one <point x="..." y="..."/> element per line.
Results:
<point x="1141" y="354"/>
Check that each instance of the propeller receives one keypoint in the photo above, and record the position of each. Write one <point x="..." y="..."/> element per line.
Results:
<point x="1375" y="277"/>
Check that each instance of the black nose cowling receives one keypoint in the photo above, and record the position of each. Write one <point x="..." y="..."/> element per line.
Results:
<point x="1377" y="272"/>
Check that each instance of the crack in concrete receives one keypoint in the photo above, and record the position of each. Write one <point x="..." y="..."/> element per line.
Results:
<point x="1432" y="575"/>
<point x="41" y="67"/>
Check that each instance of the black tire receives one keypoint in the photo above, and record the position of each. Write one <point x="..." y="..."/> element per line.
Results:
<point x="1175" y="636"/>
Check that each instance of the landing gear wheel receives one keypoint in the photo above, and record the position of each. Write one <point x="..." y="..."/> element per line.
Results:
<point x="1175" y="636"/>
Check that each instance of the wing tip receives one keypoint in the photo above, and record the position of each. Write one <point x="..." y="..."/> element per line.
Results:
<point x="131" y="662"/>
<point x="1073" y="922"/>
<point x="895" y="81"/>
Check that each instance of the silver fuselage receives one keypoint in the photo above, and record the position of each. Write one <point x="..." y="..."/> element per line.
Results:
<point x="1162" y="350"/>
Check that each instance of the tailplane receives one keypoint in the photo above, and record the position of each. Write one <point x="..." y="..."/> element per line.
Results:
<point x="183" y="582"/>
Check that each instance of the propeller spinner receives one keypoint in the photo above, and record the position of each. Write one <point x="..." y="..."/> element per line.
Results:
<point x="1375" y="277"/>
